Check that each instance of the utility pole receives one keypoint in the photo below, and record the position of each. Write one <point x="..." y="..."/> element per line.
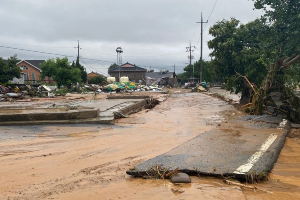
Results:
<point x="201" y="47"/>
<point x="174" y="67"/>
<point x="189" y="49"/>
<point x="78" y="47"/>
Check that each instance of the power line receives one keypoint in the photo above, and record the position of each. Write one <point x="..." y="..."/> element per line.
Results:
<point x="211" y="12"/>
<point x="135" y="56"/>
<point x="156" y="55"/>
<point x="208" y="18"/>
<point x="55" y="54"/>
<point x="63" y="55"/>
<point x="91" y="51"/>
<point x="35" y="46"/>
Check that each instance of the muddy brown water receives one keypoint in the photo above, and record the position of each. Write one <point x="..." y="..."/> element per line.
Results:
<point x="90" y="162"/>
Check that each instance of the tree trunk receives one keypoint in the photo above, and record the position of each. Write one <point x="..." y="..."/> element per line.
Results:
<point x="288" y="103"/>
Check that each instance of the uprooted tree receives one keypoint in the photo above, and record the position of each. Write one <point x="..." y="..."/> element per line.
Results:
<point x="262" y="57"/>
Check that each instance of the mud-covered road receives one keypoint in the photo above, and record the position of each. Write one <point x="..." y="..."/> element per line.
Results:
<point x="89" y="161"/>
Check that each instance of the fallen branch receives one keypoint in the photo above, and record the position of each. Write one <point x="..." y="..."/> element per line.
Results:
<point x="172" y="172"/>
<point x="246" y="79"/>
<point x="159" y="172"/>
<point x="248" y="104"/>
<point x="290" y="61"/>
<point x="245" y="186"/>
<point x="158" y="168"/>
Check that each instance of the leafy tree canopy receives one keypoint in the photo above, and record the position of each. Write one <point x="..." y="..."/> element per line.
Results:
<point x="61" y="72"/>
<point x="284" y="21"/>
<point x="9" y="69"/>
<point x="83" y="73"/>
<point x="97" y="80"/>
<point x="265" y="53"/>
<point x="208" y="72"/>
<point x="112" y="66"/>
<point x="238" y="48"/>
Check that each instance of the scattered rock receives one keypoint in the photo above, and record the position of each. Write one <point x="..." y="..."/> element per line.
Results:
<point x="176" y="190"/>
<point x="295" y="125"/>
<point x="180" y="178"/>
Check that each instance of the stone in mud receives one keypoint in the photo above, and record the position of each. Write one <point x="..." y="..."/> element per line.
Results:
<point x="297" y="126"/>
<point x="180" y="178"/>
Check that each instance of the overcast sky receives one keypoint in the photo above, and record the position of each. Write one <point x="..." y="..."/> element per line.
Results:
<point x="151" y="32"/>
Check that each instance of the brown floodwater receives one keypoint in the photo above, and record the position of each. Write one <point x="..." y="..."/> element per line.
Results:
<point x="90" y="161"/>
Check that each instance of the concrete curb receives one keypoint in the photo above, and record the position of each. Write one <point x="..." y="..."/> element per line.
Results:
<point x="127" y="97"/>
<point x="97" y="120"/>
<point x="135" y="107"/>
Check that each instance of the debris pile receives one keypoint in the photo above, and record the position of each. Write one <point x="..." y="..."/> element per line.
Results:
<point x="202" y="87"/>
<point x="18" y="91"/>
<point x="159" y="172"/>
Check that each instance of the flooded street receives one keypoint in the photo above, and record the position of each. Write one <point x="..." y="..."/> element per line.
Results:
<point x="90" y="161"/>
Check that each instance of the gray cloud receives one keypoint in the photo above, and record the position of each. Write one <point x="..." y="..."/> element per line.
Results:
<point x="148" y="31"/>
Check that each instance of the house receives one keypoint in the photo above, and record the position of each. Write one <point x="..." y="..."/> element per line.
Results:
<point x="133" y="72"/>
<point x="94" y="74"/>
<point x="161" y="78"/>
<point x="31" y="71"/>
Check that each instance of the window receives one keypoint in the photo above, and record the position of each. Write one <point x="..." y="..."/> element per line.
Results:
<point x="25" y="77"/>
<point x="23" y="67"/>
<point x="33" y="77"/>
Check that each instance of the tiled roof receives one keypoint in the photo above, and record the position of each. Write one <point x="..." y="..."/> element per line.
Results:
<point x="128" y="67"/>
<point x="34" y="63"/>
<point x="96" y="73"/>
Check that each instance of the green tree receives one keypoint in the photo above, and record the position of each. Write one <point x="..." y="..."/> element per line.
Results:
<point x="265" y="53"/>
<point x="82" y="70"/>
<point x="61" y="72"/>
<point x="208" y="72"/>
<point x="283" y="43"/>
<point x="9" y="69"/>
<point x="112" y="66"/>
<point x="97" y="80"/>
<point x="237" y="48"/>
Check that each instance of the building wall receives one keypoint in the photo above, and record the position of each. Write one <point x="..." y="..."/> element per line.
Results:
<point x="29" y="74"/>
<point x="133" y="76"/>
<point x="172" y="81"/>
<point x="33" y="73"/>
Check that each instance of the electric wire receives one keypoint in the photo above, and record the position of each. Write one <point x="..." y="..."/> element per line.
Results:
<point x="135" y="56"/>
<point x="36" y="46"/>
<point x="55" y="54"/>
<point x="211" y="13"/>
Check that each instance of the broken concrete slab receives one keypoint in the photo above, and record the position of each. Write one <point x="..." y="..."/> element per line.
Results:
<point x="232" y="149"/>
<point x="106" y="116"/>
